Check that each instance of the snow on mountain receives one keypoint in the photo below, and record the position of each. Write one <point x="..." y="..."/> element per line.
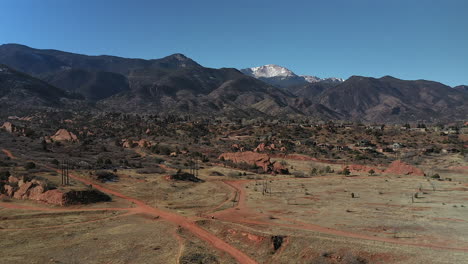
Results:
<point x="311" y="79"/>
<point x="269" y="71"/>
<point x="279" y="74"/>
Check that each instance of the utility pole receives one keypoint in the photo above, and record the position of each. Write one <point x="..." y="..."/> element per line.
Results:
<point x="65" y="167"/>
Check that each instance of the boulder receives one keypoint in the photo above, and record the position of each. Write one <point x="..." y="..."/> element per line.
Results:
<point x="143" y="143"/>
<point x="64" y="135"/>
<point x="36" y="192"/>
<point x="128" y="143"/>
<point x="401" y="168"/>
<point x="9" y="190"/>
<point x="13" y="179"/>
<point x="9" y="127"/>
<point x="55" y="196"/>
<point x="260" y="147"/>
<point x="279" y="168"/>
<point x="22" y="192"/>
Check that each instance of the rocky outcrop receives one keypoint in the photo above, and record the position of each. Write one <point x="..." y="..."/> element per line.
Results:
<point x="64" y="135"/>
<point x="255" y="159"/>
<point x="142" y="143"/>
<point x="262" y="147"/>
<point x="37" y="190"/>
<point x="401" y="168"/>
<point x="11" y="128"/>
<point x="8" y="127"/>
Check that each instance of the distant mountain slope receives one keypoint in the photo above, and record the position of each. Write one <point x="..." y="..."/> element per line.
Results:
<point x="42" y="61"/>
<point x="96" y="77"/>
<point x="21" y="90"/>
<point x="461" y="88"/>
<point x="392" y="99"/>
<point x="94" y="85"/>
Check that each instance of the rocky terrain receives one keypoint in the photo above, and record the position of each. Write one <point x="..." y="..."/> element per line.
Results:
<point x="174" y="188"/>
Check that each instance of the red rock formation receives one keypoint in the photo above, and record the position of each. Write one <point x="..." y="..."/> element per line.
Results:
<point x="9" y="127"/>
<point x="254" y="158"/>
<point x="64" y="135"/>
<point x="401" y="168"/>
<point x="143" y="143"/>
<point x="279" y="168"/>
<point x="260" y="147"/>
<point x="9" y="190"/>
<point x="128" y="143"/>
<point x="22" y="192"/>
<point x="36" y="190"/>
<point x="13" y="179"/>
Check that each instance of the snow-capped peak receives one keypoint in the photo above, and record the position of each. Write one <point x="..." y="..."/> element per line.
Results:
<point x="311" y="79"/>
<point x="314" y="79"/>
<point x="282" y="76"/>
<point x="269" y="71"/>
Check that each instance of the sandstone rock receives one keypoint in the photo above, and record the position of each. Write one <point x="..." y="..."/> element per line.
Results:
<point x="22" y="192"/>
<point x="254" y="158"/>
<point x="20" y="183"/>
<point x="260" y="147"/>
<point x="9" y="190"/>
<point x="56" y="197"/>
<point x="13" y="179"/>
<point x="36" y="192"/>
<point x="9" y="127"/>
<point x="279" y="168"/>
<point x="401" y="168"/>
<point x="143" y="143"/>
<point x="64" y="135"/>
<point x="128" y="143"/>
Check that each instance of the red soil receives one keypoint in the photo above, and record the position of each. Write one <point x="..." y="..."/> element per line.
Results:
<point x="8" y="153"/>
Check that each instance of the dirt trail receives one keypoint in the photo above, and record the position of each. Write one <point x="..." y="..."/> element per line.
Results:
<point x="142" y="207"/>
<point x="177" y="219"/>
<point x="8" y="153"/>
<point x="241" y="214"/>
<point x="180" y="240"/>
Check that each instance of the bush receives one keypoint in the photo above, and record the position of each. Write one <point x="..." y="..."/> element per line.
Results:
<point x="346" y="171"/>
<point x="4" y="175"/>
<point x="157" y="170"/>
<point x="105" y="176"/>
<point x="299" y="174"/>
<point x="30" y="165"/>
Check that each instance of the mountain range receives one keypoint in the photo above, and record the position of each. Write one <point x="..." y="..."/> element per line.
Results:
<point x="176" y="84"/>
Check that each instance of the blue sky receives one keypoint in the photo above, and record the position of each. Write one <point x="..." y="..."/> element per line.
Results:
<point x="408" y="39"/>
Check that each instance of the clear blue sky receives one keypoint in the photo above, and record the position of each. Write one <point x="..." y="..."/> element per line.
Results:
<point x="409" y="39"/>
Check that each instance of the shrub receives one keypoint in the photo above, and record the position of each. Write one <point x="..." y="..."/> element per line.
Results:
<point x="30" y="165"/>
<point x="346" y="171"/>
<point x="4" y="175"/>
